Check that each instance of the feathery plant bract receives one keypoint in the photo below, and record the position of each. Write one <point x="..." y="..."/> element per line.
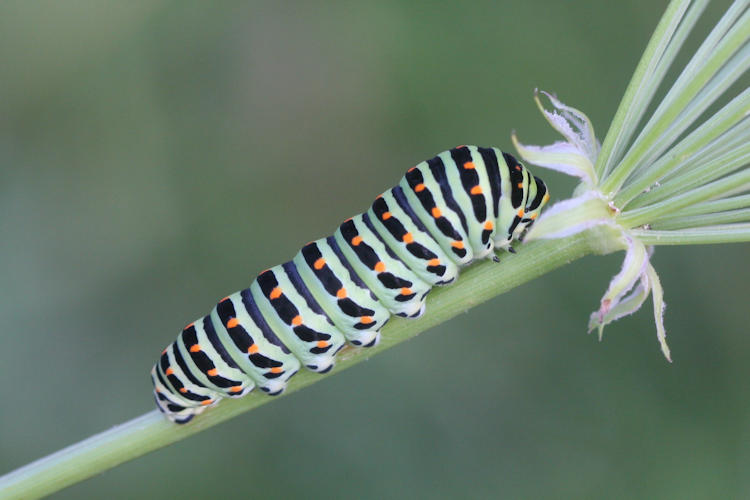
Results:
<point x="674" y="177"/>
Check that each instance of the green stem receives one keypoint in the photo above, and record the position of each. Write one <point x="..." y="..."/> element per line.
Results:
<point x="636" y="97"/>
<point x="151" y="431"/>
<point x="730" y="233"/>
<point x="652" y="135"/>
<point x="649" y="214"/>
<point x="708" y="207"/>
<point x="709" y="170"/>
<point x="711" y="219"/>
<point x="712" y="129"/>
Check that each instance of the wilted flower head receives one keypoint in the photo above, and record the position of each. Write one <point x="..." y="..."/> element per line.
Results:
<point x="676" y="180"/>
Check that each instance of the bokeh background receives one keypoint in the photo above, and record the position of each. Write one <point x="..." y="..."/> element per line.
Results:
<point x="154" y="155"/>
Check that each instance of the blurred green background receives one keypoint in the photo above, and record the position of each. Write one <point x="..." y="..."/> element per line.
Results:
<point x="155" y="155"/>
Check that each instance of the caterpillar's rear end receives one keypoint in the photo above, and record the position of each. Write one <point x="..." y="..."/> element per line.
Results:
<point x="445" y="213"/>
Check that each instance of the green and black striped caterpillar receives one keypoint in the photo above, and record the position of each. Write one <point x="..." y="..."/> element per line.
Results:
<point x="445" y="212"/>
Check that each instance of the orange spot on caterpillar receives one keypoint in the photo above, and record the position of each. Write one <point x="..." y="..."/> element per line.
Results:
<point x="207" y="402"/>
<point x="436" y="212"/>
<point x="517" y="167"/>
<point x="169" y="371"/>
<point x="366" y="320"/>
<point x="319" y="264"/>
<point x="476" y="189"/>
<point x="469" y="165"/>
<point x="321" y="343"/>
<point x="408" y="238"/>
<point x="195" y="348"/>
<point x="356" y="240"/>
<point x="386" y="215"/>
<point x="520" y="212"/>
<point x="236" y="388"/>
<point x="212" y="372"/>
<point x="457" y="244"/>
<point x="489" y="225"/>
<point x="297" y="320"/>
<point x="412" y="168"/>
<point x="341" y="293"/>
<point x="461" y="146"/>
<point x="406" y="291"/>
<point x="379" y="266"/>
<point x="433" y="262"/>
<point x="520" y="185"/>
<point x="187" y="327"/>
<point x="183" y="390"/>
<point x="233" y="322"/>
<point x="419" y="188"/>
<point x="276" y="369"/>
<point x="253" y="349"/>
<point x="533" y="216"/>
<point x="275" y="293"/>
<point x="546" y="197"/>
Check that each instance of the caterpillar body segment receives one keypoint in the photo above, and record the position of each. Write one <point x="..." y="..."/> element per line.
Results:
<point x="444" y="213"/>
<point x="348" y="303"/>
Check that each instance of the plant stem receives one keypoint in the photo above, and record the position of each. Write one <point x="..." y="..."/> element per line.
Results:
<point x="696" y="221"/>
<point x="730" y="233"/>
<point x="663" y="126"/>
<point x="637" y="97"/>
<point x="709" y="169"/>
<point x="649" y="214"/>
<point x="151" y="431"/>
<point x="712" y="129"/>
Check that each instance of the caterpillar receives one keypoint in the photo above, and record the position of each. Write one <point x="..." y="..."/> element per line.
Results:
<point x="445" y="213"/>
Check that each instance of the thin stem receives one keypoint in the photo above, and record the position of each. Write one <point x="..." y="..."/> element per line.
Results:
<point x="151" y="431"/>
<point x="684" y="91"/>
<point x="706" y="171"/>
<point x="730" y="233"/>
<point x="655" y="78"/>
<point x="713" y="206"/>
<point x="732" y="139"/>
<point x="635" y="100"/>
<point x="646" y="215"/>
<point x="727" y="76"/>
<point x="686" y="221"/>
<point x="722" y="122"/>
